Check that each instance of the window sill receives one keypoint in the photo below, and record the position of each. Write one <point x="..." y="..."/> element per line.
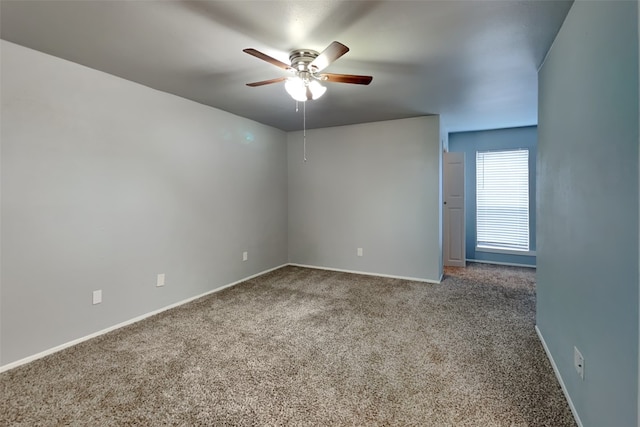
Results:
<point x="505" y="251"/>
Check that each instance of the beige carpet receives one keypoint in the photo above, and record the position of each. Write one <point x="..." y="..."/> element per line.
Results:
<point x="310" y="347"/>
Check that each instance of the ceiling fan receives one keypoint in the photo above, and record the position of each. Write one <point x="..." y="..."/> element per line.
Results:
<point x="306" y="66"/>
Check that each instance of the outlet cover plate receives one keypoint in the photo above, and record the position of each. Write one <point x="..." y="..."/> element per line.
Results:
<point x="97" y="296"/>
<point x="160" y="281"/>
<point x="578" y="362"/>
<point x="245" y="256"/>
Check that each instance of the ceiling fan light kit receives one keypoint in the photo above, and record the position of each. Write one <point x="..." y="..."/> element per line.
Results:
<point x="306" y="66"/>
<point x="302" y="89"/>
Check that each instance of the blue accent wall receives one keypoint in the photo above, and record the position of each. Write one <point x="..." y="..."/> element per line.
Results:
<point x="499" y="139"/>
<point x="588" y="195"/>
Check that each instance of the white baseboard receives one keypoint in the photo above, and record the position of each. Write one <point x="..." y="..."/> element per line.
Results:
<point x="559" y="377"/>
<point x="57" y="348"/>
<point x="414" y="279"/>
<point x="512" y="264"/>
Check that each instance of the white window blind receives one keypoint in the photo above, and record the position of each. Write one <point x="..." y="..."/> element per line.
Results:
<point x="502" y="191"/>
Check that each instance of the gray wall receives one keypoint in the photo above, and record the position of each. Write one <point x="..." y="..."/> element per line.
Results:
<point x="106" y="183"/>
<point x="375" y="186"/>
<point x="588" y="208"/>
<point x="499" y="139"/>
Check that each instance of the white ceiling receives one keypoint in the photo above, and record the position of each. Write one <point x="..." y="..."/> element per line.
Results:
<point x="473" y="62"/>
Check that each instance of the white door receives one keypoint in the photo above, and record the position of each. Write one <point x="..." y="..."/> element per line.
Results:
<point x="454" y="233"/>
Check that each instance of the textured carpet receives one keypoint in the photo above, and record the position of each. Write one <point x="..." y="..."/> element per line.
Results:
<point x="309" y="347"/>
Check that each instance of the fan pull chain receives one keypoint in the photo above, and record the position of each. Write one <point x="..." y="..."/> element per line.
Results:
<point x="304" y="131"/>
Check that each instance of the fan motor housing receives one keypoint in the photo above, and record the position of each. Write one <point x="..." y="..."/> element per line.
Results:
<point x="301" y="58"/>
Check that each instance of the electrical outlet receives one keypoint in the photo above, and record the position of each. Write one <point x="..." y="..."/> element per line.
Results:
<point x="578" y="362"/>
<point x="359" y="251"/>
<point x="245" y="256"/>
<point x="97" y="296"/>
<point x="160" y="280"/>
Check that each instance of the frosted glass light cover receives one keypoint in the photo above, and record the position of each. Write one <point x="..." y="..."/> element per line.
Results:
<point x="317" y="90"/>
<point x="297" y="88"/>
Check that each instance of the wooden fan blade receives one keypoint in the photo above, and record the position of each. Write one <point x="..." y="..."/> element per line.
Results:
<point x="267" y="58"/>
<point x="346" y="78"/>
<point x="267" y="82"/>
<point x="334" y="51"/>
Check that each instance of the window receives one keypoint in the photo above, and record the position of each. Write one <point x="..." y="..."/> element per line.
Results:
<point x="502" y="200"/>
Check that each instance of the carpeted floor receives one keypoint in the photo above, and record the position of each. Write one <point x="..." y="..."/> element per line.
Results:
<point x="310" y="347"/>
